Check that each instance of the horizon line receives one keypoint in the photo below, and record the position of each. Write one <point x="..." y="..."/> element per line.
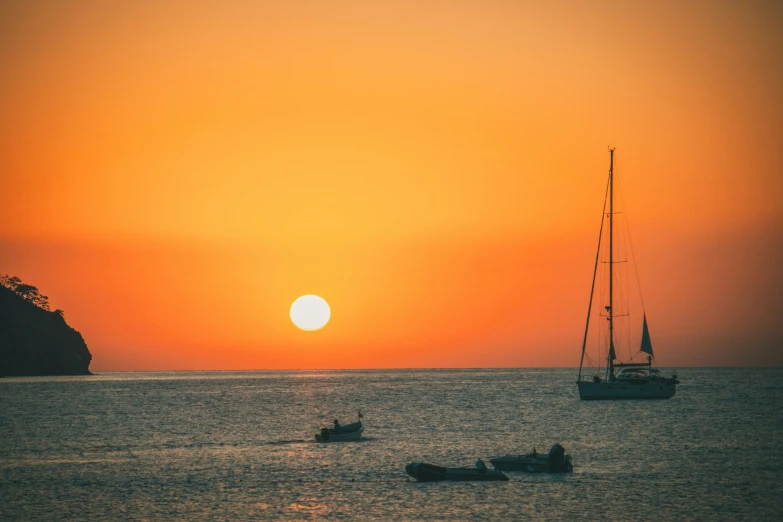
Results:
<point x="409" y="369"/>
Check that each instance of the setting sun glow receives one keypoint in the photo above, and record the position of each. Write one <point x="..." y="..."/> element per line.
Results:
<point x="174" y="173"/>
<point x="310" y="312"/>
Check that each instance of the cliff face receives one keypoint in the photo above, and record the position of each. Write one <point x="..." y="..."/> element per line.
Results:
<point x="34" y="341"/>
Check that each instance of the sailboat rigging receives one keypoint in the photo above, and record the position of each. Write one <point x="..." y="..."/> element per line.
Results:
<point x="631" y="380"/>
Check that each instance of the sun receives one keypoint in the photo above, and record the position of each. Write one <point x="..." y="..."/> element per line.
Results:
<point x="310" y="312"/>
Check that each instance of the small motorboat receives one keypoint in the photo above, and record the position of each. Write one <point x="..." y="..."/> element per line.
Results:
<point x="555" y="462"/>
<point x="347" y="433"/>
<point x="432" y="473"/>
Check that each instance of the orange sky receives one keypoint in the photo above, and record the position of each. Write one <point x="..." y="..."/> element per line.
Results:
<point x="175" y="174"/>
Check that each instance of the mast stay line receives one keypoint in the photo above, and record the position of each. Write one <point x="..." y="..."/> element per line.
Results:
<point x="592" y="288"/>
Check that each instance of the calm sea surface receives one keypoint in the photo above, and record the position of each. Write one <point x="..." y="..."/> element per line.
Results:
<point x="239" y="445"/>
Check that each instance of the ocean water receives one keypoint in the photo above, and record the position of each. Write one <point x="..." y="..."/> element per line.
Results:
<point x="240" y="446"/>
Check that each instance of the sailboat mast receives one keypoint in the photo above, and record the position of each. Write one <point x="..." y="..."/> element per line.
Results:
<point x="611" y="263"/>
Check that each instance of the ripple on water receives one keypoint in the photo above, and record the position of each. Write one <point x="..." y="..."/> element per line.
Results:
<point x="240" y="445"/>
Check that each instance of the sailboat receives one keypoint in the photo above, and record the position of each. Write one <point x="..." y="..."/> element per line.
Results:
<point x="618" y="380"/>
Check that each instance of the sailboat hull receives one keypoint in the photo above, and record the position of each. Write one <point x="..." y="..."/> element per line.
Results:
<point x="617" y="390"/>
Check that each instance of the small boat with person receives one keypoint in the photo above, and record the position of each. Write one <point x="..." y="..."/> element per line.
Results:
<point x="424" y="472"/>
<point x="556" y="461"/>
<point x="348" y="433"/>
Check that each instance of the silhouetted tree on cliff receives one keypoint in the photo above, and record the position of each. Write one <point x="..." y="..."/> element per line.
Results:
<point x="27" y="292"/>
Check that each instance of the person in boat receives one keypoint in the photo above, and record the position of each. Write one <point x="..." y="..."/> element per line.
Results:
<point x="337" y="427"/>
<point x="534" y="452"/>
<point x="325" y="433"/>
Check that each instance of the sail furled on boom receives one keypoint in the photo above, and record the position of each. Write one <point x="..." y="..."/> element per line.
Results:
<point x="646" y="343"/>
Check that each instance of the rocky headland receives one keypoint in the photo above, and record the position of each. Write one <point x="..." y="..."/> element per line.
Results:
<point x="34" y="340"/>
